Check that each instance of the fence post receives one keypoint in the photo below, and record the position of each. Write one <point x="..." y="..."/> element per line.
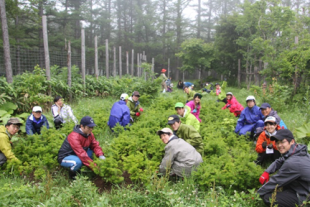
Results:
<point x="114" y="61"/>
<point x="239" y="73"/>
<point x="107" y="58"/>
<point x="120" y="61"/>
<point x="69" y="68"/>
<point x="127" y="63"/>
<point x="168" y="67"/>
<point x="153" y="62"/>
<point x="83" y="56"/>
<point x="132" y="61"/>
<point x="46" y="52"/>
<point x="96" y="58"/>
<point x="138" y="64"/>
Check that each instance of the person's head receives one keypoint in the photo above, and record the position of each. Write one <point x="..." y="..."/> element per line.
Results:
<point x="174" y="122"/>
<point x="271" y="124"/>
<point x="265" y="108"/>
<point x="229" y="95"/>
<point x="13" y="125"/>
<point x="37" y="112"/>
<point x="250" y="101"/>
<point x="165" y="134"/>
<point x="186" y="89"/>
<point x="217" y="85"/>
<point x="163" y="70"/>
<point x="87" y="124"/>
<point x="284" y="140"/>
<point x="180" y="81"/>
<point x="135" y="96"/>
<point x="58" y="100"/>
<point x="179" y="108"/>
<point x="124" y="97"/>
<point x="197" y="98"/>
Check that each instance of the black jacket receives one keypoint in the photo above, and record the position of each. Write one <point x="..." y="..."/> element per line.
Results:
<point x="293" y="172"/>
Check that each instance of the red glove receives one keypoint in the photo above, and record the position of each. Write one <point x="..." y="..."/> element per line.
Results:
<point x="141" y="109"/>
<point x="264" y="178"/>
<point x="137" y="114"/>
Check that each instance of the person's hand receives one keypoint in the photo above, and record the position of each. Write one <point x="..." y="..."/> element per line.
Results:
<point x="141" y="109"/>
<point x="137" y="114"/>
<point x="264" y="178"/>
<point x="264" y="144"/>
<point x="270" y="146"/>
<point x="102" y="157"/>
<point x="228" y="106"/>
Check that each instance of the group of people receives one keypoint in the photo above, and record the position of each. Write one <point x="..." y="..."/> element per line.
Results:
<point x="184" y="145"/>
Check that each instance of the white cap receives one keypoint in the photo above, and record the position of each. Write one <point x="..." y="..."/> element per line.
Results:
<point x="270" y="119"/>
<point x="229" y="93"/>
<point x="250" y="98"/>
<point x="37" y="108"/>
<point x="124" y="96"/>
<point x="164" y="130"/>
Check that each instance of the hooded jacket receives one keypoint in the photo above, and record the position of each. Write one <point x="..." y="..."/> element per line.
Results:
<point x="77" y="143"/>
<point x="263" y="137"/>
<point x="279" y="121"/>
<point x="249" y="116"/>
<point x="120" y="113"/>
<point x="5" y="145"/>
<point x="190" y="119"/>
<point x="234" y="106"/>
<point x="293" y="172"/>
<point x="190" y="135"/>
<point x="34" y="126"/>
<point x="193" y="106"/>
<point x="180" y="157"/>
<point x="133" y="106"/>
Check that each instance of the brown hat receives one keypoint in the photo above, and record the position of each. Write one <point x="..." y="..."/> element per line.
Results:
<point x="135" y="93"/>
<point x="14" y="120"/>
<point x="164" y="131"/>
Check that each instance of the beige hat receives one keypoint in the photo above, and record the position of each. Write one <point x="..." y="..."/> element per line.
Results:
<point x="14" y="120"/>
<point x="164" y="131"/>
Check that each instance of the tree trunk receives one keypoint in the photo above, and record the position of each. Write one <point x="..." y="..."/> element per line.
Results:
<point x="199" y="19"/>
<point x="6" y="43"/>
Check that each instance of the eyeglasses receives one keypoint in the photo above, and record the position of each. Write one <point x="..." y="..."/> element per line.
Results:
<point x="16" y="127"/>
<point x="270" y="123"/>
<point x="281" y="142"/>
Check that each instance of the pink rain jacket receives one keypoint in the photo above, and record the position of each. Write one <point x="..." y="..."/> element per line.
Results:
<point x="234" y="106"/>
<point x="192" y="106"/>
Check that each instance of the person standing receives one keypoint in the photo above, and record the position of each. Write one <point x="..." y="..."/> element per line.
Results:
<point x="251" y="119"/>
<point x="62" y="113"/>
<point x="6" y="132"/>
<point x="79" y="146"/>
<point x="180" y="158"/>
<point x="195" y="105"/>
<point x="292" y="182"/>
<point x="134" y="105"/>
<point x="164" y="78"/>
<point x="36" y="121"/>
<point x="120" y="112"/>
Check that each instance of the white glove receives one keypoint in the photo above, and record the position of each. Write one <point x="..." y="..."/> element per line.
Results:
<point x="102" y="157"/>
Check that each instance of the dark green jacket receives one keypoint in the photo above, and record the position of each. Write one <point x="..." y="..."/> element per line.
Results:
<point x="133" y="107"/>
<point x="190" y="135"/>
<point x="190" y="95"/>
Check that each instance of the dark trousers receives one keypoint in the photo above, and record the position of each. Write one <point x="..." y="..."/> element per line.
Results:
<point x="286" y="198"/>
<point x="57" y="123"/>
<point x="2" y="158"/>
<point x="263" y="157"/>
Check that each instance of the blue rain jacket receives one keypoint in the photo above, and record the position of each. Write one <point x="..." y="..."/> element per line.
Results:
<point x="120" y="113"/>
<point x="249" y="116"/>
<point x="34" y="126"/>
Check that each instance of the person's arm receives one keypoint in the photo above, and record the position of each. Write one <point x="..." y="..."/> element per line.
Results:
<point x="6" y="149"/>
<point x="55" y="110"/>
<point x="167" y="161"/>
<point x="78" y="149"/>
<point x="240" y="122"/>
<point x="277" y="164"/>
<point x="132" y="113"/>
<point x="29" y="127"/>
<point x="45" y="122"/>
<point x="94" y="145"/>
<point x="126" y="118"/>
<point x="286" y="174"/>
<point x="71" y="115"/>
<point x="259" y="148"/>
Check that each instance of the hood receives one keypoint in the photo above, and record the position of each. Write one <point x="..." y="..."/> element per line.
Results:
<point x="122" y="102"/>
<point x="187" y="110"/>
<point x="272" y="112"/>
<point x="77" y="130"/>
<point x="296" y="149"/>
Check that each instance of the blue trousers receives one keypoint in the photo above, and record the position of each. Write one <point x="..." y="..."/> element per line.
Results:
<point x="73" y="162"/>
<point x="251" y="127"/>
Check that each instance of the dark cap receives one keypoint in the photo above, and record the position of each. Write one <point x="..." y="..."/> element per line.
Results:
<point x="197" y="95"/>
<point x="282" y="134"/>
<point x="87" y="121"/>
<point x="265" y="105"/>
<point x="14" y="120"/>
<point x="136" y="93"/>
<point x="173" y="118"/>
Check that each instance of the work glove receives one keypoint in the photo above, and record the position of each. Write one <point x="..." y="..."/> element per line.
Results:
<point x="195" y="110"/>
<point x="264" y="178"/>
<point x="137" y="114"/>
<point x="228" y="106"/>
<point x="270" y="146"/>
<point x="141" y="109"/>
<point x="264" y="144"/>
<point x="102" y="157"/>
